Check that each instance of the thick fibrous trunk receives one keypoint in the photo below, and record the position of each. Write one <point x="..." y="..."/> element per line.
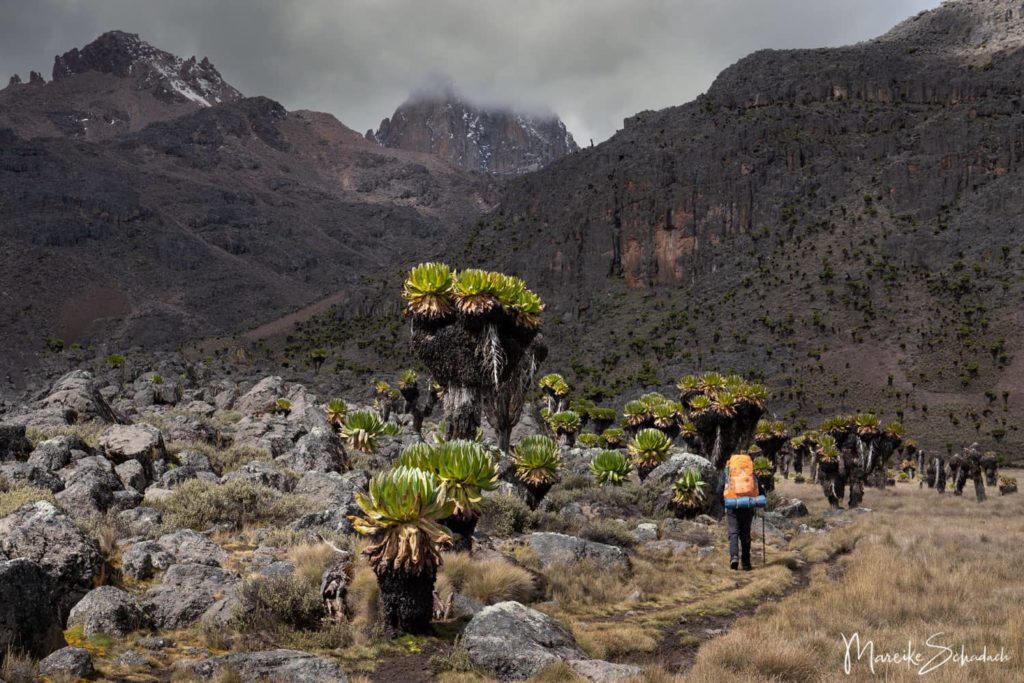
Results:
<point x="476" y="359"/>
<point x="462" y="528"/>
<point x="536" y="493"/>
<point x="407" y="599"/>
<point x="462" y="411"/>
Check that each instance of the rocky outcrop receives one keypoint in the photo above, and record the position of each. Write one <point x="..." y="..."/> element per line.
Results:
<point x="168" y="77"/>
<point x="492" y="140"/>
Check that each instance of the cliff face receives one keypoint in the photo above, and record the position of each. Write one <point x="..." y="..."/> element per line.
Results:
<point x="501" y="142"/>
<point x="115" y="85"/>
<point x="844" y="221"/>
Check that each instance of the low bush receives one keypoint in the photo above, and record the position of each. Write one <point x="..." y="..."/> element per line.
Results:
<point x="222" y="460"/>
<point x="504" y="514"/>
<point x="199" y="505"/>
<point x="610" y="531"/>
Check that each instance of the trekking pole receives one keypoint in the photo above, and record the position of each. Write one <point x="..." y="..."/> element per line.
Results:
<point x="764" y="552"/>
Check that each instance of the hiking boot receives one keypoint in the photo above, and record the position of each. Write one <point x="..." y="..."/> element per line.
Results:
<point x="747" y="567"/>
<point x="734" y="564"/>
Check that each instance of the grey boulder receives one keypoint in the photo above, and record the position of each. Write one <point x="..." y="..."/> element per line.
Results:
<point x="42" y="533"/>
<point x="67" y="663"/>
<point x="29" y="618"/>
<point x="108" y="610"/>
<point x="320" y="450"/>
<point x="284" y="666"/>
<point x="186" y="592"/>
<point x="191" y="547"/>
<point x="552" y="548"/>
<point x="513" y="642"/>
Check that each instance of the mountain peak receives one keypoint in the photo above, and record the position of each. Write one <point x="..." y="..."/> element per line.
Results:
<point x="126" y="55"/>
<point x="437" y="119"/>
<point x="966" y="27"/>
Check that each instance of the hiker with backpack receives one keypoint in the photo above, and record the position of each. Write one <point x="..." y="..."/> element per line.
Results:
<point x="741" y="497"/>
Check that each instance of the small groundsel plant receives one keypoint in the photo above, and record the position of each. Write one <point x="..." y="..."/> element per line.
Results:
<point x="649" y="448"/>
<point x="537" y="460"/>
<point x="362" y="429"/>
<point x="689" y="493"/>
<point x="610" y="467"/>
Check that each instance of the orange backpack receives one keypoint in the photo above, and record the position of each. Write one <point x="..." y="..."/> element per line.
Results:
<point x="740" y="482"/>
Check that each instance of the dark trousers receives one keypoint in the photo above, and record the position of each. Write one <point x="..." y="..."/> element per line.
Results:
<point x="739" y="533"/>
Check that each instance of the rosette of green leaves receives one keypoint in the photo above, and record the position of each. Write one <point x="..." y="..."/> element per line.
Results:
<point x="401" y="512"/>
<point x="649" y="448"/>
<point x="464" y="468"/>
<point x="537" y="460"/>
<point x="610" y="467"/>
<point x="428" y="290"/>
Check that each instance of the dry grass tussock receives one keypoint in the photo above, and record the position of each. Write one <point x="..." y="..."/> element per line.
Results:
<point x="222" y="460"/>
<point x="487" y="581"/>
<point x="12" y="498"/>
<point x="923" y="564"/>
<point x="88" y="432"/>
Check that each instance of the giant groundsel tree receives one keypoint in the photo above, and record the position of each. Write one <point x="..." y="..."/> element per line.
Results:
<point x="478" y="333"/>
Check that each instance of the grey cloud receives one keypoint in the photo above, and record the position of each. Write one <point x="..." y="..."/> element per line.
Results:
<point x="593" y="62"/>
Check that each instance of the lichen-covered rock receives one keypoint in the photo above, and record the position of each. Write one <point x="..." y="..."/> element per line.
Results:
<point x="132" y="475"/>
<point x="140" y="521"/>
<point x="191" y="547"/>
<point x="185" y="593"/>
<point x="553" y="548"/>
<point x="263" y="473"/>
<point x="665" y="474"/>
<point x="338" y="490"/>
<point x="285" y="666"/>
<point x="42" y="533"/>
<point x="791" y="508"/>
<point x="513" y="642"/>
<point x="600" y="671"/>
<point x="67" y="663"/>
<point x="320" y="450"/>
<point x="108" y="610"/>
<point x="143" y="560"/>
<point x="29" y="617"/>
<point x="141" y="442"/>
<point x="75" y="397"/>
<point x="27" y="474"/>
<point x="58" y="452"/>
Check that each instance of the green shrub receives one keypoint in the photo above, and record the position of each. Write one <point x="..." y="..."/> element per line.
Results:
<point x="504" y="514"/>
<point x="199" y="505"/>
<point x="269" y="603"/>
<point x="610" y="531"/>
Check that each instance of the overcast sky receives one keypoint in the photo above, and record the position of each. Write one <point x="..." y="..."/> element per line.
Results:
<point x="593" y="62"/>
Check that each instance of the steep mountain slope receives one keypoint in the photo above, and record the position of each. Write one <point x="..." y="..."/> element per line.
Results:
<point x="114" y="85"/>
<point x="844" y="221"/>
<point x="499" y="141"/>
<point x="205" y="223"/>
